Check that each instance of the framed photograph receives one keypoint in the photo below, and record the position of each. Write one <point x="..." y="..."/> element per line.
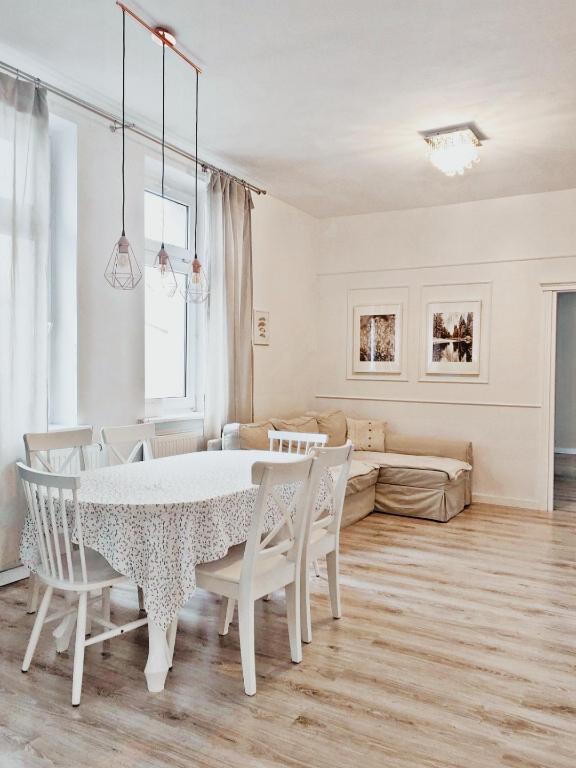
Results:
<point x="261" y="327"/>
<point x="377" y="338"/>
<point x="453" y="331"/>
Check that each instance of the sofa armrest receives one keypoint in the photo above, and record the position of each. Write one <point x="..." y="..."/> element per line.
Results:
<point x="214" y="445"/>
<point x="429" y="446"/>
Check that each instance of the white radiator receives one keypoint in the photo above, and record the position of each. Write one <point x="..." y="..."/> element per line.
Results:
<point x="170" y="445"/>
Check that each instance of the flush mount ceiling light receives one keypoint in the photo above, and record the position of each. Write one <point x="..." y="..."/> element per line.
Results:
<point x="454" y="150"/>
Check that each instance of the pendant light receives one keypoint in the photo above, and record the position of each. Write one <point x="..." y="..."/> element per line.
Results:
<point x="162" y="263"/>
<point x="197" y="289"/>
<point x="122" y="270"/>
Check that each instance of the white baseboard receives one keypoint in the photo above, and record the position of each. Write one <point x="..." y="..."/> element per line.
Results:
<point x="505" y="501"/>
<point x="569" y="451"/>
<point x="13" y="574"/>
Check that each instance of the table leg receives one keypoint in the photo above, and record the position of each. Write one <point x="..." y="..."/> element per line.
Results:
<point x="159" y="658"/>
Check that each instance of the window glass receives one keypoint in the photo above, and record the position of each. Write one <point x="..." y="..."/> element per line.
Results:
<point x="165" y="338"/>
<point x="166" y="220"/>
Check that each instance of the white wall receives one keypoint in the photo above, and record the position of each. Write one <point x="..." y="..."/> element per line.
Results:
<point x="512" y="243"/>
<point x="284" y="250"/>
<point x="565" y="433"/>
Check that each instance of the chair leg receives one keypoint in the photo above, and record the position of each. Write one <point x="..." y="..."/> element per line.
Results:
<point x="141" y="600"/>
<point x="106" y="615"/>
<point x="227" y="606"/>
<point x="33" y="593"/>
<point x="172" y="630"/>
<point x="246" y="626"/>
<point x="79" y="649"/>
<point x="305" y="618"/>
<point x="293" y="616"/>
<point x="332" y="561"/>
<point x="62" y="634"/>
<point x="316" y="569"/>
<point x="37" y="629"/>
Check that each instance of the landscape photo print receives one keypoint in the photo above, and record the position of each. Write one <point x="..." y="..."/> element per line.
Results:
<point x="377" y="335"/>
<point x="453" y="337"/>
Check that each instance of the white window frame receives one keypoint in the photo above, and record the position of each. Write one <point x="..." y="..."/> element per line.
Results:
<point x="191" y="404"/>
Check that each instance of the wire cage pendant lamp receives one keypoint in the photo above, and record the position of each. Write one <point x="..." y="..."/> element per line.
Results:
<point x="197" y="288"/>
<point x="162" y="262"/>
<point x="122" y="270"/>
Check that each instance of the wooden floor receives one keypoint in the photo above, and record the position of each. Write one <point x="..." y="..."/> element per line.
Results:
<point x="565" y="482"/>
<point x="457" y="649"/>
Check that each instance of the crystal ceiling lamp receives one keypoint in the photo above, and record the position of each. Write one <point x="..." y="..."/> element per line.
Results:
<point x="162" y="262"/>
<point x="197" y="288"/>
<point x="122" y="270"/>
<point x="454" y="150"/>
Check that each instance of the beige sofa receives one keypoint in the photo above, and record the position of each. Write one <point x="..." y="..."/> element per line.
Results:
<point x="419" y="477"/>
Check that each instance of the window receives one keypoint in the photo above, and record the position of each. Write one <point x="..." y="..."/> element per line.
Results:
<point x="173" y="360"/>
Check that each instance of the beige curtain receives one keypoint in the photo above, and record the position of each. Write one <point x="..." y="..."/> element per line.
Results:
<point x="228" y="366"/>
<point x="24" y="240"/>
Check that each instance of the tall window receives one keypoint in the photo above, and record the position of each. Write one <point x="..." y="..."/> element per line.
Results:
<point x="173" y="365"/>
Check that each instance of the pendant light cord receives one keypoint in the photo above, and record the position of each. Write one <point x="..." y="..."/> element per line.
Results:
<point x="123" y="115"/>
<point x="196" y="177"/>
<point x="163" y="127"/>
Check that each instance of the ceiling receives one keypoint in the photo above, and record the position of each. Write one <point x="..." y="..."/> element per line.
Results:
<point x="321" y="101"/>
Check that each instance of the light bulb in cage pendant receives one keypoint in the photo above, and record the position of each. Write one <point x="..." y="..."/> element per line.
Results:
<point x="197" y="289"/>
<point x="167" y="277"/>
<point x="122" y="270"/>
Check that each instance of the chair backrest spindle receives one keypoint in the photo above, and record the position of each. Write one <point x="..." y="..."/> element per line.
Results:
<point x="47" y="501"/>
<point x="295" y="442"/>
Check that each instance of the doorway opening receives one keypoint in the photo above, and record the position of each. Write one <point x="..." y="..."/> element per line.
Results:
<point x="565" y="404"/>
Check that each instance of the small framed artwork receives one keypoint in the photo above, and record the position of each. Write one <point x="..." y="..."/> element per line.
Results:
<point x="260" y="327"/>
<point x="377" y="339"/>
<point x="453" y="331"/>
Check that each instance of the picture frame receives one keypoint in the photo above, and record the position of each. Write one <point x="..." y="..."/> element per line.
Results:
<point x="260" y="328"/>
<point x="377" y="338"/>
<point x="453" y="337"/>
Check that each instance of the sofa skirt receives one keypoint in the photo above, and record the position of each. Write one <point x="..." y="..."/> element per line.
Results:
<point x="439" y="504"/>
<point x="358" y="506"/>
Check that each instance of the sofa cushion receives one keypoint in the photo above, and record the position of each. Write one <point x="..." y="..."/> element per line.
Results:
<point x="414" y="478"/>
<point x="297" y="424"/>
<point x="452" y="468"/>
<point x="360" y="477"/>
<point x="254" y="437"/>
<point x="333" y="424"/>
<point x="367" y="434"/>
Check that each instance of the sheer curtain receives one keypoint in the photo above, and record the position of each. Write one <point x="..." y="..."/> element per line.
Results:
<point x="24" y="238"/>
<point x="228" y="373"/>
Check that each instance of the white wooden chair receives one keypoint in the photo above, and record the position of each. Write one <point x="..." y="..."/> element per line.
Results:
<point x="266" y="562"/>
<point x="65" y="451"/>
<point x="127" y="444"/>
<point x="294" y="442"/>
<point x="323" y="530"/>
<point x="77" y="571"/>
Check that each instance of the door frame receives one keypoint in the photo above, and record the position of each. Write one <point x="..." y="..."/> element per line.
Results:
<point x="551" y="291"/>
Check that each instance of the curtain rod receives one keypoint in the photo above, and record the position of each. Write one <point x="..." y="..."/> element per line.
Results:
<point x="116" y="124"/>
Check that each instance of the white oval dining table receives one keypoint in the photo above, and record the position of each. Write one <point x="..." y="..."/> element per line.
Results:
<point x="154" y="521"/>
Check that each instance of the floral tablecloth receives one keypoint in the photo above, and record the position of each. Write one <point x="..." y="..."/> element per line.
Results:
<point x="155" y="520"/>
